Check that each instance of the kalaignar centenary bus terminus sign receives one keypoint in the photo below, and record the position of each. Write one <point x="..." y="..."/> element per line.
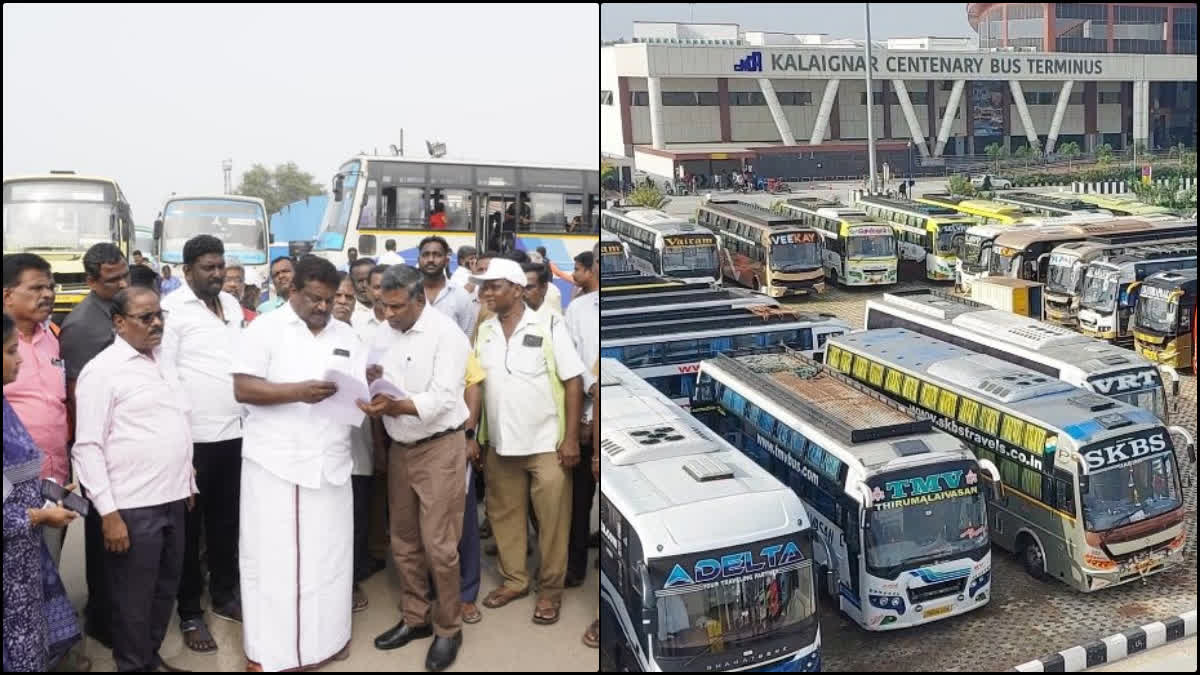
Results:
<point x="921" y="65"/>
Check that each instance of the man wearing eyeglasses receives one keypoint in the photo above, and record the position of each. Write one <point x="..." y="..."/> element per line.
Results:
<point x="198" y="346"/>
<point x="133" y="454"/>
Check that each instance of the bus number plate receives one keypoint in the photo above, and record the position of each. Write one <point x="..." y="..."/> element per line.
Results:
<point x="936" y="611"/>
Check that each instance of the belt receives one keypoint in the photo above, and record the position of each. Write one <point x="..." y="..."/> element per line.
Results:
<point x="430" y="438"/>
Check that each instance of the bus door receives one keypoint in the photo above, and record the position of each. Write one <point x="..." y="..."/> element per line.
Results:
<point x="849" y="554"/>
<point x="497" y="224"/>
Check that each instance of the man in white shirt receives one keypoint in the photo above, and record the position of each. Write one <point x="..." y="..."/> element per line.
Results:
<point x="426" y="358"/>
<point x="390" y="257"/>
<point x="296" y="537"/>
<point x="198" y="345"/>
<point x="532" y="399"/>
<point x="583" y="323"/>
<point x="537" y="285"/>
<point x="379" y="541"/>
<point x="360" y="269"/>
<point x="466" y="264"/>
<point x="447" y="298"/>
<point x="133" y="456"/>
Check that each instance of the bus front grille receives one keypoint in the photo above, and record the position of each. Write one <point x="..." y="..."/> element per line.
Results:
<point x="934" y="591"/>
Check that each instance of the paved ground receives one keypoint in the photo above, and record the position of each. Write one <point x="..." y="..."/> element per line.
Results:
<point x="506" y="639"/>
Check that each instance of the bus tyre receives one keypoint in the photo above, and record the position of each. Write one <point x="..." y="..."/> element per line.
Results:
<point x="1034" y="559"/>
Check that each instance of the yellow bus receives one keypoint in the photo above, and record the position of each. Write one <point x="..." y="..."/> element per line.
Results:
<point x="925" y="233"/>
<point x="859" y="250"/>
<point x="59" y="216"/>
<point x="1119" y="205"/>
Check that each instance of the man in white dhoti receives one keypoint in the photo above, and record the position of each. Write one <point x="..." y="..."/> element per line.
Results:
<point x="296" y="500"/>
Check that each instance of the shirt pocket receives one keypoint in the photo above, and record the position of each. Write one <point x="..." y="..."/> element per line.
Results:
<point x="526" y="360"/>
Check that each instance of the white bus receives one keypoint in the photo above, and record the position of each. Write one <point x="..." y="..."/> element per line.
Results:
<point x="859" y="250"/>
<point x="975" y="259"/>
<point x="614" y="254"/>
<point x="897" y="502"/>
<point x="666" y="346"/>
<point x="1048" y="349"/>
<point x="665" y="245"/>
<point x="1091" y="486"/>
<point x="706" y="561"/>
<point x="1110" y="287"/>
<point x="928" y="234"/>
<point x="239" y="222"/>
<point x="689" y="297"/>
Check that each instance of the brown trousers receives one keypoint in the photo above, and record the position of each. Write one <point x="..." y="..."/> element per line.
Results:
<point x="426" y="497"/>
<point x="511" y="482"/>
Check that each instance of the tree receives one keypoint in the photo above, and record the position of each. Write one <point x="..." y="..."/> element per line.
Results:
<point x="1070" y="150"/>
<point x="1104" y="154"/>
<point x="278" y="188"/>
<point x="961" y="185"/>
<point x="648" y="197"/>
<point x="996" y="152"/>
<point x="608" y="176"/>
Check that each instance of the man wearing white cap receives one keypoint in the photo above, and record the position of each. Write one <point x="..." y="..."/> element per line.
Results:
<point x="532" y="400"/>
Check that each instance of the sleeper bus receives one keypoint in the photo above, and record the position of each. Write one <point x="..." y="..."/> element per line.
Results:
<point x="239" y="222"/>
<point x="897" y="503"/>
<point x="763" y="250"/>
<point x="924" y="233"/>
<point x="706" y="560"/>
<point x="1064" y="278"/>
<point x="1125" y="205"/>
<point x="666" y="346"/>
<point x="1165" y="314"/>
<point x="984" y="210"/>
<point x="1023" y="253"/>
<point x="665" y="245"/>
<point x="859" y="250"/>
<point x="489" y="205"/>
<point x="1052" y="350"/>
<point x="1110" y="287"/>
<point x="59" y="216"/>
<point x="614" y="254"/>
<point x="673" y="298"/>
<point x="1091" y="491"/>
<point x="1048" y="205"/>
<point x="975" y="258"/>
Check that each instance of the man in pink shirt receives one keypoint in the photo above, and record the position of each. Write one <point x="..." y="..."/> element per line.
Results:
<point x="39" y="393"/>
<point x="133" y="452"/>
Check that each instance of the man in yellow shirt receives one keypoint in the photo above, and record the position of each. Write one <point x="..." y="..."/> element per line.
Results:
<point x="468" y="546"/>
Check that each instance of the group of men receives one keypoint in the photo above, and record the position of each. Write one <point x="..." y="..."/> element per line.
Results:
<point x="352" y="408"/>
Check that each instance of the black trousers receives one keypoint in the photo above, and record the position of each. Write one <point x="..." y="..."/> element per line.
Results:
<point x="582" y="490"/>
<point x="98" y="612"/>
<point x="219" y="478"/>
<point x="362" y="512"/>
<point x="143" y="582"/>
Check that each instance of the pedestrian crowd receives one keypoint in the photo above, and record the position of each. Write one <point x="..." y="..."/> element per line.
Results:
<point x="291" y="446"/>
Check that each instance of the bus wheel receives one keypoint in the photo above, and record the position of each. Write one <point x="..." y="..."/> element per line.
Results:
<point x="1034" y="559"/>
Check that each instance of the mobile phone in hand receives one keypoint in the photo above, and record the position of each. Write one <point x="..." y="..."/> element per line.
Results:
<point x="57" y="493"/>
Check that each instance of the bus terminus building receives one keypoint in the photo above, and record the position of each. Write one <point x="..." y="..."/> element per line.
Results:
<point x="709" y="98"/>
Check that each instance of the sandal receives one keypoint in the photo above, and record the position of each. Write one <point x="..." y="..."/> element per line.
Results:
<point x="591" y="637"/>
<point x="502" y="596"/>
<point x="546" y="612"/>
<point x="195" y="632"/>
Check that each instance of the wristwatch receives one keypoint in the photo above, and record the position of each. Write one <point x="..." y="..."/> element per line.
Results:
<point x="470" y="434"/>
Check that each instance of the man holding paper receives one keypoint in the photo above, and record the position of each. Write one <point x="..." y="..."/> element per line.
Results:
<point x="297" y="503"/>
<point x="420" y="399"/>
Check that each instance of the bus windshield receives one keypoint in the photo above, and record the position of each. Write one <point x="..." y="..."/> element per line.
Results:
<point x="742" y="611"/>
<point x="974" y="252"/>
<point x="611" y="262"/>
<point x="949" y="237"/>
<point x="795" y="257"/>
<point x="1156" y="314"/>
<point x="870" y="246"/>
<point x="68" y="215"/>
<point x="241" y="227"/>
<point x="1002" y="261"/>
<point x="1063" y="276"/>
<point x="1130" y="492"/>
<point x="689" y="260"/>
<point x="1100" y="288"/>
<point x="901" y="536"/>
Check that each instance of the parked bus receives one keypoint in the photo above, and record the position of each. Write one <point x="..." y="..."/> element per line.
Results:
<point x="1125" y="205"/>
<point x="1048" y="205"/>
<point x="1064" y="278"/>
<point x="764" y="250"/>
<point x="239" y="222"/>
<point x="672" y="298"/>
<point x="975" y="258"/>
<point x="706" y="561"/>
<point x="494" y="205"/>
<point x="924" y="233"/>
<point x="1165" y="314"/>
<point x="1024" y="253"/>
<point x="666" y="347"/>
<point x="1091" y="490"/>
<point x="614" y="254"/>
<point x="665" y="245"/>
<point x="897" y="503"/>
<point x="1110" y="287"/>
<point x="1076" y="359"/>
<point x="859" y="250"/>
<point x="59" y="216"/>
<point x="986" y="211"/>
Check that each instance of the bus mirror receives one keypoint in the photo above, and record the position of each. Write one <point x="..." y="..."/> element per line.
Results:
<point x="158" y="229"/>
<point x="338" y="192"/>
<point x="271" y="238"/>
<point x="647" y="593"/>
<point x="1189" y="441"/>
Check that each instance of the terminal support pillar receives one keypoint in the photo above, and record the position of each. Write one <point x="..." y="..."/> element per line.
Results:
<point x="823" y="114"/>
<point x="910" y="115"/>
<point x="658" y="138"/>
<point x="1060" y="111"/>
<point x="781" y="123"/>
<point x="948" y="118"/>
<point x="1141" y="113"/>
<point x="1023" y="111"/>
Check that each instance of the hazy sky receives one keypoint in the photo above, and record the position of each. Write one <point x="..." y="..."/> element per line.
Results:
<point x="841" y="20"/>
<point x="157" y="96"/>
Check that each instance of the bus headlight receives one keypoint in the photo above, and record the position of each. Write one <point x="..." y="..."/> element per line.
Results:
<point x="1097" y="559"/>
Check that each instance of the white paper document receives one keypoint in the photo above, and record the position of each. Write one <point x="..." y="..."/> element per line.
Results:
<point x="342" y="406"/>
<point x="387" y="388"/>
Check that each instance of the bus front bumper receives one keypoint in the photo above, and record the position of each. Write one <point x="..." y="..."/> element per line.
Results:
<point x="1154" y="349"/>
<point x="1131" y="570"/>
<point x="783" y="291"/>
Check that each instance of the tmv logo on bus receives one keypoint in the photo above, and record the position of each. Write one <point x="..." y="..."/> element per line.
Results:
<point x="917" y="486"/>
<point x="735" y="564"/>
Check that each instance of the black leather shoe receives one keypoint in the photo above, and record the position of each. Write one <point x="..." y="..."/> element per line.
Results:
<point x="573" y="580"/>
<point x="442" y="652"/>
<point x="401" y="635"/>
<point x="100" y="634"/>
